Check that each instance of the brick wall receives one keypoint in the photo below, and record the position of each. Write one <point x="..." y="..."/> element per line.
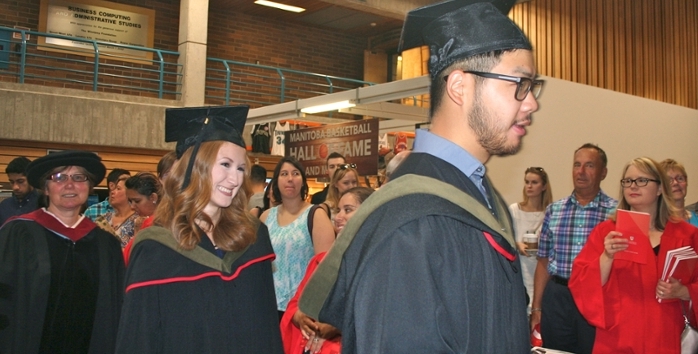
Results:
<point x="232" y="36"/>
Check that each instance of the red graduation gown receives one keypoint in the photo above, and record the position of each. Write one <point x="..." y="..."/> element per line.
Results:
<point x="293" y="340"/>
<point x="625" y="312"/>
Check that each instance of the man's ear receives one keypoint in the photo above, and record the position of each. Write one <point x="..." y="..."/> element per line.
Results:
<point x="460" y="87"/>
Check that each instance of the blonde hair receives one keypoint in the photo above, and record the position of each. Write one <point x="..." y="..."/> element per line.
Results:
<point x="547" y="195"/>
<point x="666" y="209"/>
<point x="180" y="209"/>
<point x="333" y="194"/>
<point x="671" y="164"/>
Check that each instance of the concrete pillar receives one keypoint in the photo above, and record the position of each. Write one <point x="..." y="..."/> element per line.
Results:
<point x="193" y="36"/>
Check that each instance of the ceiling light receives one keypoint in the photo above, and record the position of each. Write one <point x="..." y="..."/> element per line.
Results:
<point x="279" y="6"/>
<point x="328" y="107"/>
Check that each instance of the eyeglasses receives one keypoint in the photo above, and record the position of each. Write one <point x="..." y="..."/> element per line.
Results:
<point x="62" y="177"/>
<point x="640" y="182"/>
<point x="677" y="179"/>
<point x="346" y="165"/>
<point x="524" y="85"/>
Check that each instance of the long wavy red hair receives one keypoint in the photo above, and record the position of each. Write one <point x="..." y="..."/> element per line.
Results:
<point x="180" y="209"/>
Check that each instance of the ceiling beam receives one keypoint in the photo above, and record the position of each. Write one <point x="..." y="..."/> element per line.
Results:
<point x="370" y="99"/>
<point x="390" y="110"/>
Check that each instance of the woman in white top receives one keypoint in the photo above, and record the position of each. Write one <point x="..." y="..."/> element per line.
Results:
<point x="294" y="244"/>
<point x="528" y="218"/>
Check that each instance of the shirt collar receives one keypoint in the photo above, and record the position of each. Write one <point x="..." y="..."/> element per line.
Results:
<point x="27" y="197"/>
<point x="601" y="199"/>
<point x="432" y="144"/>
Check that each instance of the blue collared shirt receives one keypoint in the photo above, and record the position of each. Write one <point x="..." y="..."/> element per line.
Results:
<point x="12" y="206"/>
<point x="432" y="144"/>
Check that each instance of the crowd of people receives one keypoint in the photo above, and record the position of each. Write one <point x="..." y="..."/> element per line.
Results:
<point x="207" y="256"/>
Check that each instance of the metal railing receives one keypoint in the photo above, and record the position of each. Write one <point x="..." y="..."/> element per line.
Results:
<point x="229" y="81"/>
<point x="90" y="65"/>
<point x="93" y="65"/>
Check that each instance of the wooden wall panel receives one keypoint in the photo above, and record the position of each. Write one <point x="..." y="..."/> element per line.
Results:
<point x="134" y="160"/>
<point x="645" y="48"/>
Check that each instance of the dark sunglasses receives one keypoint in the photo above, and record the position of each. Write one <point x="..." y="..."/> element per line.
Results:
<point x="346" y="165"/>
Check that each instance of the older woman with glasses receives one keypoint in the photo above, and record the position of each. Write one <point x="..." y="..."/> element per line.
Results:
<point x="61" y="275"/>
<point x="633" y="310"/>
<point x="678" y="180"/>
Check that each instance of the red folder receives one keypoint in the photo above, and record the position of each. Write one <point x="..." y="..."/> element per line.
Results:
<point x="680" y="264"/>
<point x="635" y="227"/>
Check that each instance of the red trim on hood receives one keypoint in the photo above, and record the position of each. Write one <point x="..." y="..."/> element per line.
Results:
<point x="201" y="276"/>
<point x="511" y="257"/>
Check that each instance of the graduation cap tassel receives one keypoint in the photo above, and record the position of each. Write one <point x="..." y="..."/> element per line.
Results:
<point x="190" y="166"/>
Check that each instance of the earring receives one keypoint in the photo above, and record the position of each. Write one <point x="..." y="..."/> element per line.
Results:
<point x="153" y="202"/>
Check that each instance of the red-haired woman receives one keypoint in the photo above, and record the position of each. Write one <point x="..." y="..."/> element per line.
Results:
<point x="200" y="279"/>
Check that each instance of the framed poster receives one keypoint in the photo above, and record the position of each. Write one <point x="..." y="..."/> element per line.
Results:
<point x="357" y="141"/>
<point x="97" y="20"/>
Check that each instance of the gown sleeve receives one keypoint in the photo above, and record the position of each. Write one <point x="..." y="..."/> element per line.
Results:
<point x="290" y="334"/>
<point x="595" y="302"/>
<point x="139" y="330"/>
<point x="693" y="285"/>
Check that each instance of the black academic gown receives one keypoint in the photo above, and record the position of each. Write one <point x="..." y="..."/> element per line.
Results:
<point x="420" y="276"/>
<point x="61" y="289"/>
<point x="195" y="302"/>
<point x="320" y="197"/>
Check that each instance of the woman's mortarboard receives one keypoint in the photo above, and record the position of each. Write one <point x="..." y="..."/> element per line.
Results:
<point x="458" y="29"/>
<point x="85" y="159"/>
<point x="191" y="126"/>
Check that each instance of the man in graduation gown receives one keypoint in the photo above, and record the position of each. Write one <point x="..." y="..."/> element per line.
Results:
<point x="428" y="264"/>
<point x="61" y="280"/>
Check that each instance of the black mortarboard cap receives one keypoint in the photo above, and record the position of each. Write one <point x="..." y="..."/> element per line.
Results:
<point x="85" y="159"/>
<point x="458" y="29"/>
<point x="191" y="126"/>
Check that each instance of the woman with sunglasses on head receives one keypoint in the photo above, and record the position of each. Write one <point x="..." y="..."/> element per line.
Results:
<point x="62" y="275"/>
<point x="199" y="279"/>
<point x="298" y="231"/>
<point x="528" y="219"/>
<point x="300" y="333"/>
<point x="678" y="180"/>
<point x="345" y="178"/>
<point x="633" y="310"/>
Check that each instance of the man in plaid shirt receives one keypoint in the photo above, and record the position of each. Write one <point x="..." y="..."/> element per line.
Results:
<point x="566" y="226"/>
